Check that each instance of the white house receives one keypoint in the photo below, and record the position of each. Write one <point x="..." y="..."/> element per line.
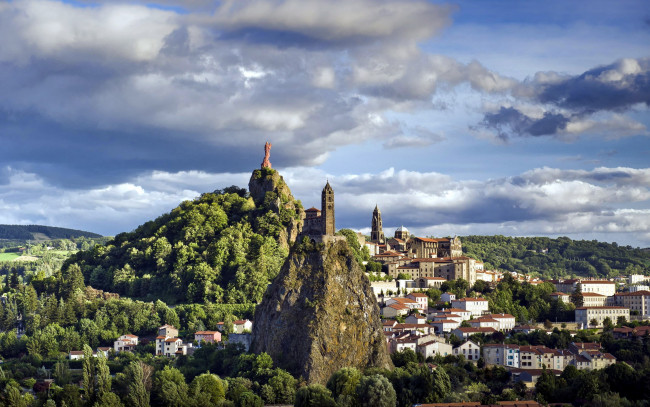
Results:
<point x="242" y="325"/>
<point x="466" y="332"/>
<point x="416" y="319"/>
<point x="506" y="321"/>
<point x="447" y="297"/>
<point x="469" y="349"/>
<point x="395" y="309"/>
<point x="502" y="354"/>
<point x="476" y="306"/>
<point x="604" y="287"/>
<point x="444" y="325"/>
<point x="432" y="348"/>
<point x="484" y="322"/>
<point x="125" y="343"/>
<point x="421" y="299"/>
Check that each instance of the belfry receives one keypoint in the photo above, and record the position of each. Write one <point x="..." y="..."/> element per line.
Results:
<point x="377" y="232"/>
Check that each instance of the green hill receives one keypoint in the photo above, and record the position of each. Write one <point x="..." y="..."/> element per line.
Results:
<point x="40" y="233"/>
<point x="557" y="257"/>
<point x="222" y="247"/>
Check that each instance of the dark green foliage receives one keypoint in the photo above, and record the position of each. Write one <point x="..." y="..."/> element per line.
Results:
<point x="26" y="232"/>
<point x="344" y="382"/>
<point x="219" y="248"/>
<point x="564" y="256"/>
<point x="403" y="357"/>
<point x="376" y="391"/>
<point x="360" y="253"/>
<point x="314" y="395"/>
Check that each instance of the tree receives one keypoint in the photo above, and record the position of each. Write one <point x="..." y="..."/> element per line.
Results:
<point x="344" y="382"/>
<point x="108" y="400"/>
<point x="169" y="387"/>
<point x="608" y="325"/>
<point x="576" y="297"/>
<point x="593" y="323"/>
<point x="376" y="391"/>
<point x="88" y="374"/>
<point x="403" y="357"/>
<point x="137" y="393"/>
<point x="314" y="395"/>
<point x="620" y="320"/>
<point x="207" y="389"/>
<point x="283" y="386"/>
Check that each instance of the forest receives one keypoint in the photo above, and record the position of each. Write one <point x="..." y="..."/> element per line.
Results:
<point x="26" y="232"/>
<point x="560" y="257"/>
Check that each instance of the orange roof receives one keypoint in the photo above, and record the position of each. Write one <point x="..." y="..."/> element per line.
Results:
<point x="445" y="321"/>
<point x="172" y="339"/>
<point x="418" y="295"/>
<point x="602" y="307"/>
<point x="205" y="332"/>
<point x="398" y="307"/>
<point x="312" y="209"/>
<point x="470" y="299"/>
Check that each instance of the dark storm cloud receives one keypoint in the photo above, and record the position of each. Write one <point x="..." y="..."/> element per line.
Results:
<point x="610" y="89"/>
<point x="510" y="121"/>
<point x="613" y="87"/>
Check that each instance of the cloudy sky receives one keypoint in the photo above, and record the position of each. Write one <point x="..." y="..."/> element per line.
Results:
<point x="468" y="117"/>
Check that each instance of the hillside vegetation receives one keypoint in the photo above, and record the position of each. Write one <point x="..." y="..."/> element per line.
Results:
<point x="38" y="232"/>
<point x="557" y="257"/>
<point x="219" y="248"/>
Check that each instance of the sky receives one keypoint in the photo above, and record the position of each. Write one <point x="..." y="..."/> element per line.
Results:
<point x="455" y="118"/>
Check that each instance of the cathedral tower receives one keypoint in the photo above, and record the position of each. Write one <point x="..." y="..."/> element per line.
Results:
<point x="377" y="233"/>
<point x="327" y="210"/>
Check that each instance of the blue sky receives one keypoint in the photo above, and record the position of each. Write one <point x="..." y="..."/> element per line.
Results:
<point x="486" y="117"/>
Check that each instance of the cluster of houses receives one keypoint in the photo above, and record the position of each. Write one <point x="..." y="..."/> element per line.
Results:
<point x="584" y="356"/>
<point x="169" y="344"/>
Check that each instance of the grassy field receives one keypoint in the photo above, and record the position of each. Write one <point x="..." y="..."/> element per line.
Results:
<point x="8" y="256"/>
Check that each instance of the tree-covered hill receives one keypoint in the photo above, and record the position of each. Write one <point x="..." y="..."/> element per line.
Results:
<point x="557" y="257"/>
<point x="222" y="247"/>
<point x="38" y="232"/>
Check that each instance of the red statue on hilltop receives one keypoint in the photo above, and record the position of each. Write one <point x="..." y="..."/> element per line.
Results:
<point x="267" y="153"/>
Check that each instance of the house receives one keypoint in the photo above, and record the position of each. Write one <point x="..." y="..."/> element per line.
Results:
<point x="445" y="315"/>
<point x="412" y="329"/>
<point x="421" y="299"/>
<point x="635" y="301"/>
<point x="603" y="287"/>
<point x="530" y="377"/>
<point x="175" y="347"/>
<point x="593" y="300"/>
<point x="463" y="314"/>
<point x="434" y="347"/>
<point x="430" y="282"/>
<point x="584" y="315"/>
<point x="241" y="326"/>
<point x="484" y="322"/>
<point x="447" y="297"/>
<point x="401" y="343"/>
<point x="476" y="306"/>
<point x="394" y="310"/>
<point x="506" y="321"/>
<point x="407" y="302"/>
<point x="464" y="333"/>
<point x="389" y="325"/>
<point x="501" y="354"/>
<point x="444" y="325"/>
<point x="103" y="350"/>
<point x="416" y="319"/>
<point x="207" y="336"/>
<point x="469" y="349"/>
<point x="125" y="343"/>
<point x="76" y="354"/>
<point x="167" y="331"/>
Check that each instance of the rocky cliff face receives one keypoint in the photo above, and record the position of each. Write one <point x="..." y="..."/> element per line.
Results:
<point x="320" y="315"/>
<point x="268" y="189"/>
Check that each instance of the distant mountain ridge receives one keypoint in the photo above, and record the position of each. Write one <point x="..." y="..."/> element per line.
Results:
<point x="40" y="232"/>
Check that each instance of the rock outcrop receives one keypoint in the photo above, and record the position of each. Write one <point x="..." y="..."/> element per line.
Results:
<point x="320" y="315"/>
<point x="268" y="189"/>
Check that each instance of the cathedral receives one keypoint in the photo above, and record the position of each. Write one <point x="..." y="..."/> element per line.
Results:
<point x="421" y="257"/>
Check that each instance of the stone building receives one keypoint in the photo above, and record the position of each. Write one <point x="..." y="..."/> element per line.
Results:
<point x="402" y="233"/>
<point x="327" y="210"/>
<point x="422" y="247"/>
<point x="377" y="232"/>
<point x="320" y="225"/>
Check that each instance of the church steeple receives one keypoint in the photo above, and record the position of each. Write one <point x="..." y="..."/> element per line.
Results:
<point x="377" y="233"/>
<point x="327" y="210"/>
